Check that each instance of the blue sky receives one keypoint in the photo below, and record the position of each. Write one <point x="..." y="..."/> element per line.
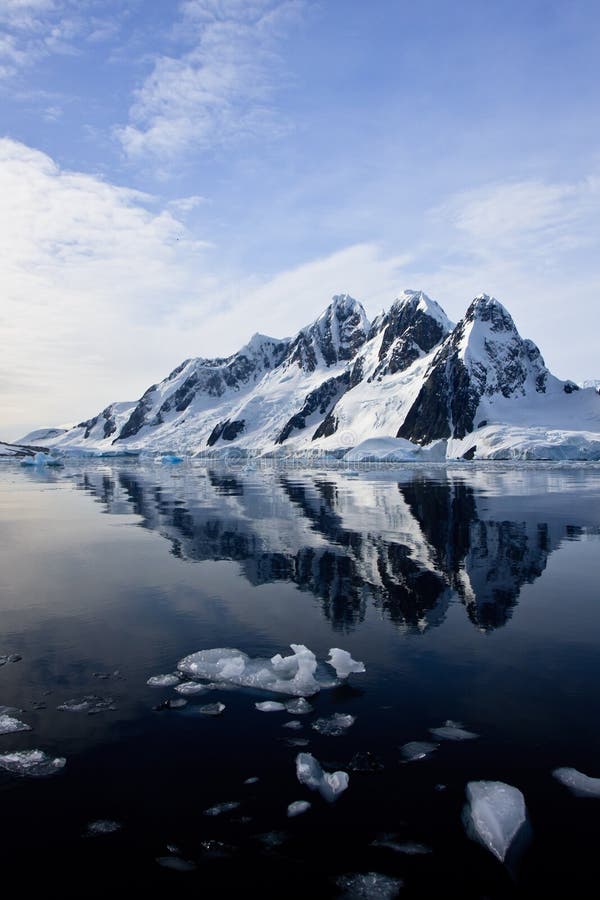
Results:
<point x="175" y="176"/>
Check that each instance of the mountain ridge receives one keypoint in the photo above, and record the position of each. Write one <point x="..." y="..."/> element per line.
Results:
<point x="411" y="374"/>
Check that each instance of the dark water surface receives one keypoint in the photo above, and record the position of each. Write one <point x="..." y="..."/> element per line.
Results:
<point x="471" y="593"/>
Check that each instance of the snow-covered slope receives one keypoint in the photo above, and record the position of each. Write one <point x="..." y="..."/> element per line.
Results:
<point x="475" y="389"/>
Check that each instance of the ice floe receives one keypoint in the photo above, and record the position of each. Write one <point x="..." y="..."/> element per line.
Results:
<point x="296" y="674"/>
<point x="189" y="688"/>
<point x="299" y="707"/>
<point x="343" y="663"/>
<point x="392" y="842"/>
<point x="580" y="784"/>
<point x="10" y="658"/>
<point x="297" y="808"/>
<point x="163" y="680"/>
<point x="494" y="814"/>
<point x="369" y="886"/>
<point x="252" y="780"/>
<point x="176" y="703"/>
<point x="270" y="706"/>
<point x="294" y="724"/>
<point x="211" y="709"/>
<point x="102" y="826"/>
<point x="89" y="704"/>
<point x="329" y="784"/>
<point x="219" y="808"/>
<point x="9" y="725"/>
<point x="335" y="725"/>
<point x="415" y="750"/>
<point x="34" y="763"/>
<point x="453" y="731"/>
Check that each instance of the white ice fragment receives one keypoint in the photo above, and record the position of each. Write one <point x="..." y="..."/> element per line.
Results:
<point x="453" y="731"/>
<point x="299" y="707"/>
<point x="221" y="808"/>
<point x="391" y="842"/>
<point x="369" y="886"/>
<point x="102" y="826"/>
<point x="494" y="814"/>
<point x="9" y="725"/>
<point x="163" y="680"/>
<point x="90" y="704"/>
<point x="34" y="763"/>
<point x="293" y="675"/>
<point x="343" y="663"/>
<point x="270" y="706"/>
<point x="211" y="709"/>
<point x="252" y="780"/>
<point x="329" y="784"/>
<point x="335" y="725"/>
<point x="297" y="808"/>
<point x="188" y="688"/>
<point x="415" y="750"/>
<point x="294" y="724"/>
<point x="581" y="785"/>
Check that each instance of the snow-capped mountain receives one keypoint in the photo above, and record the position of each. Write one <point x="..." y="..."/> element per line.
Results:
<point x="406" y="381"/>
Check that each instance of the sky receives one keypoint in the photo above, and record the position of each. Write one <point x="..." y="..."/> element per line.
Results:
<point x="175" y="176"/>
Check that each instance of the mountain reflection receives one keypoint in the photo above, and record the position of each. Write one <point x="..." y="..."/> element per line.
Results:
<point x="407" y="548"/>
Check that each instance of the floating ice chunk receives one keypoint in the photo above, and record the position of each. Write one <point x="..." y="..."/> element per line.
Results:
<point x="8" y="725"/>
<point x="293" y="675"/>
<point x="102" y="826"/>
<point x="188" y="688"/>
<point x="163" y="680"/>
<point x="414" y="750"/>
<point x="335" y="725"/>
<point x="294" y="724"/>
<point x="494" y="814"/>
<point x="343" y="663"/>
<point x="176" y="863"/>
<point x="211" y="709"/>
<point x="370" y="886"/>
<point x="89" y="704"/>
<point x="9" y="711"/>
<point x="11" y="658"/>
<point x="270" y="706"/>
<point x="297" y="808"/>
<point x="329" y="784"/>
<point x="581" y="785"/>
<point x="252" y="780"/>
<point x="221" y="808"/>
<point x="297" y="742"/>
<point x="177" y="703"/>
<point x="391" y="842"/>
<point x="299" y="707"/>
<point x="272" y="839"/>
<point x="453" y="731"/>
<point x="34" y="763"/>
<point x="171" y="459"/>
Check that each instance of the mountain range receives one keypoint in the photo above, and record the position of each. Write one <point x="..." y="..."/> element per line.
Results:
<point x="408" y="385"/>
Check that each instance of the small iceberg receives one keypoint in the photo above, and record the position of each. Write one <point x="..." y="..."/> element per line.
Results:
<point x="89" y="704"/>
<point x="163" y="680"/>
<point x="335" y="725"/>
<point x="297" y="808"/>
<point x="176" y="863"/>
<point x="453" y="731"/>
<point x="270" y="706"/>
<point x="369" y="886"/>
<point x="102" y="826"/>
<point x="296" y="674"/>
<point x="415" y="750"/>
<point x="494" y="814"/>
<point x="392" y="842"/>
<point x="211" y="709"/>
<point x="343" y="663"/>
<point x="9" y="725"/>
<point x="32" y="763"/>
<point x="329" y="784"/>
<point x="579" y="784"/>
<point x="221" y="808"/>
<point x="299" y="707"/>
<point x="189" y="688"/>
<point x="170" y="459"/>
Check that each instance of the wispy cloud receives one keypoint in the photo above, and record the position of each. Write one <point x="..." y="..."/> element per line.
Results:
<point x="221" y="88"/>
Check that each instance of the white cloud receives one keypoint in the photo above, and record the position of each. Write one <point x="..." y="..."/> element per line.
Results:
<point x="104" y="293"/>
<point x="220" y="90"/>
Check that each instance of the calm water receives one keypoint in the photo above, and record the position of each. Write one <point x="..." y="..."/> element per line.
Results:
<point x="471" y="593"/>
